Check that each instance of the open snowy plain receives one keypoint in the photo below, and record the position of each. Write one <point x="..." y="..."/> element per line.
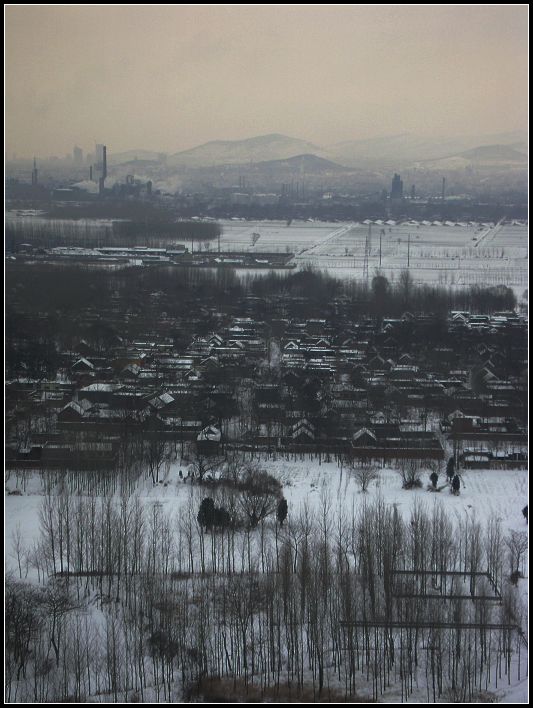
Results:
<point x="436" y="252"/>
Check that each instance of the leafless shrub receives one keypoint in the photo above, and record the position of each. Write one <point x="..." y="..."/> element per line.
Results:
<point x="409" y="471"/>
<point x="362" y="474"/>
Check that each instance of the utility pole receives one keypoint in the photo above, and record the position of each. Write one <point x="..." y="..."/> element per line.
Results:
<point x="367" y="251"/>
<point x="408" y="249"/>
<point x="380" y="235"/>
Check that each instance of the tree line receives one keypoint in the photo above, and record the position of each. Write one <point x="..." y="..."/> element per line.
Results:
<point x="74" y="287"/>
<point x="149" y="232"/>
<point x="138" y="604"/>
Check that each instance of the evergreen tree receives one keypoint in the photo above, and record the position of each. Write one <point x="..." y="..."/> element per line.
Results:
<point x="282" y="510"/>
<point x="206" y="514"/>
<point x="221" y="518"/>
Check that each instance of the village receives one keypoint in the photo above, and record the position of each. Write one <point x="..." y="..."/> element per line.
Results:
<point x="413" y="387"/>
<point x="266" y="350"/>
<point x="176" y="445"/>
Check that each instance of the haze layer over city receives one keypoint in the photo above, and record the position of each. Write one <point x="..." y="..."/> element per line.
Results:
<point x="266" y="344"/>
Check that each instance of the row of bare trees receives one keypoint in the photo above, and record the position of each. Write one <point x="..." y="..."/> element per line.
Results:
<point x="136" y="603"/>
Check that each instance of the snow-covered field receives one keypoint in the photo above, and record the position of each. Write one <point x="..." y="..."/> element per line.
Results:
<point x="446" y="253"/>
<point x="461" y="254"/>
<point x="484" y="493"/>
<point x="502" y="494"/>
<point x="310" y="485"/>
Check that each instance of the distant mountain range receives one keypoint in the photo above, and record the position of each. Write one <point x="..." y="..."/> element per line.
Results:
<point x="406" y="148"/>
<point x="470" y="164"/>
<point x="270" y="173"/>
<point x="496" y="157"/>
<point x="263" y="148"/>
<point x="121" y="158"/>
<point x="496" y="153"/>
<point x="301" y="163"/>
<point x="391" y="152"/>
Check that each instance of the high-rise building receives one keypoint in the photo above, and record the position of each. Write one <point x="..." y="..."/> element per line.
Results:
<point x="77" y="156"/>
<point x="397" y="187"/>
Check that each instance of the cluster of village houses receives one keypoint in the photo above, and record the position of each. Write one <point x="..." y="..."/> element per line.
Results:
<point x="377" y="390"/>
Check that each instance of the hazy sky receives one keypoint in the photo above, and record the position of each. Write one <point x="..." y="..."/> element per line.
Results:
<point x="170" y="77"/>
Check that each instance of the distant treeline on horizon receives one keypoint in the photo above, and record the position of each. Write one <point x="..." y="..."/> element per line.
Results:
<point x="51" y="287"/>
<point x="154" y="234"/>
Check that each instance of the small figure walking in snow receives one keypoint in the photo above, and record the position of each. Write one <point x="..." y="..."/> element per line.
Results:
<point x="450" y="469"/>
<point x="456" y="485"/>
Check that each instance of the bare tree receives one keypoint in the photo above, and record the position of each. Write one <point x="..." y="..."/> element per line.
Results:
<point x="20" y="552"/>
<point x="203" y="465"/>
<point x="260" y="494"/>
<point x="155" y="453"/>
<point x="409" y="471"/>
<point x="362" y="474"/>
<point x="517" y="545"/>
<point x="57" y="603"/>
<point x="23" y="620"/>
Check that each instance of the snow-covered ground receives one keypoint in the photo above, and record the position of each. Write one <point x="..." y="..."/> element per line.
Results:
<point x="310" y="483"/>
<point x="484" y="494"/>
<point x="446" y="253"/>
<point x="462" y="254"/>
<point x="501" y="493"/>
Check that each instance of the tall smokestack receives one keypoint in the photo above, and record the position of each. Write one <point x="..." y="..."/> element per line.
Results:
<point x="91" y="173"/>
<point x="101" y="181"/>
<point x="443" y="187"/>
